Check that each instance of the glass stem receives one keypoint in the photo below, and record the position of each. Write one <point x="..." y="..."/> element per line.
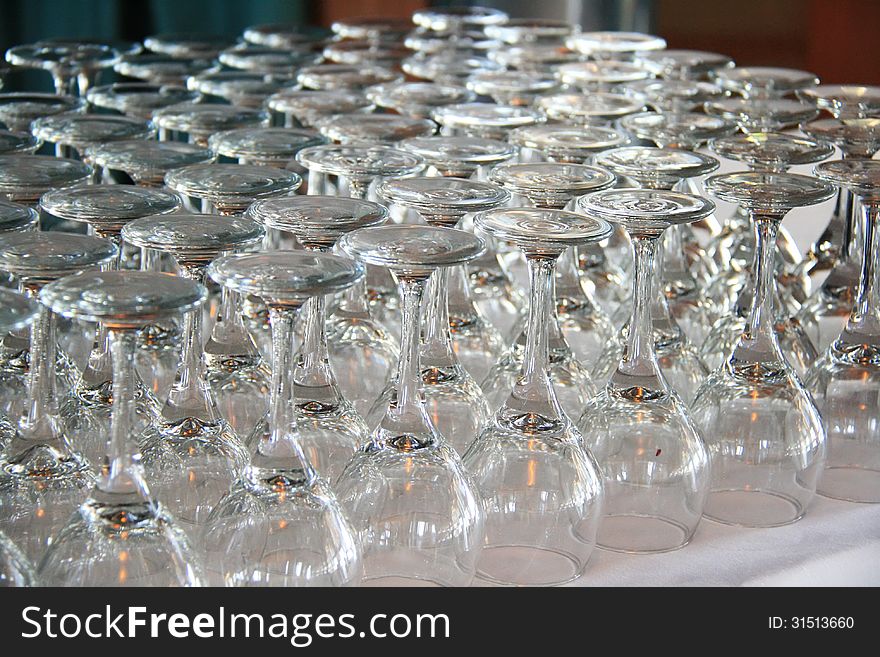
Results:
<point x="279" y="448"/>
<point x="409" y="398"/>
<point x="535" y="372"/>
<point x="639" y="359"/>
<point x="121" y="475"/>
<point x="41" y="421"/>
<point x="313" y="366"/>
<point x="863" y="326"/>
<point x="437" y="340"/>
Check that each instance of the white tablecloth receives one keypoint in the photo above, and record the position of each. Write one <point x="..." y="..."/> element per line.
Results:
<point x="834" y="544"/>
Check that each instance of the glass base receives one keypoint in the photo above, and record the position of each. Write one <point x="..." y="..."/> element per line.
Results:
<point x="641" y="534"/>
<point x="752" y="508"/>
<point x="527" y="565"/>
<point x="850" y="483"/>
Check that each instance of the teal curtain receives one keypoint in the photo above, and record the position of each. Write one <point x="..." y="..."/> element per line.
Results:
<point x="25" y="21"/>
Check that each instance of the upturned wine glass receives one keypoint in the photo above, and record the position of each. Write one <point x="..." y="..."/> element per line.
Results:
<point x="763" y="430"/>
<point x="673" y="288"/>
<point x="764" y="81"/>
<point x="198" y="121"/>
<point x="19" y="109"/>
<point x="597" y="108"/>
<point x="158" y="68"/>
<point x="43" y="475"/>
<point x="416" y="512"/>
<point x="458" y="19"/>
<point x="553" y="185"/>
<point x="239" y="88"/>
<point x="459" y="157"/>
<point x="326" y="77"/>
<point x="121" y="535"/>
<point x="106" y="209"/>
<point x="235" y="369"/>
<point x="280" y="524"/>
<point x="192" y="455"/>
<point x="601" y="75"/>
<point x="72" y="134"/>
<point x="73" y="66"/>
<point x="417" y="99"/>
<point x="452" y="395"/>
<point x="606" y="45"/>
<point x="542" y="491"/>
<point x="274" y="147"/>
<point x="674" y="64"/>
<point x="846" y="379"/>
<point x="729" y="294"/>
<point x="145" y="162"/>
<point x="304" y="107"/>
<point x="654" y="460"/>
<point x="139" y="99"/>
<point x="281" y="65"/>
<point x="187" y="45"/>
<point x="16" y="312"/>
<point x="513" y="87"/>
<point x="824" y="314"/>
<point x="486" y="120"/>
<point x="359" y="128"/>
<point x="12" y="142"/>
<point x="330" y="424"/>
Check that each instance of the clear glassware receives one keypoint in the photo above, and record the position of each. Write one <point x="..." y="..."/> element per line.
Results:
<point x="575" y="318"/>
<point x="763" y="430"/>
<point x="466" y="43"/>
<point x="673" y="64"/>
<point x="542" y="491"/>
<point x="187" y="45"/>
<point x="158" y="68"/>
<point x="534" y="57"/>
<point x="17" y="312"/>
<point x="371" y="29"/>
<point x="73" y="66"/>
<point x="361" y="128"/>
<point x="417" y="99"/>
<point x="239" y="88"/>
<point x="846" y="379"/>
<point x="43" y="476"/>
<point x="674" y="291"/>
<point x="842" y="102"/>
<point x="761" y="114"/>
<point x="281" y="524"/>
<point x="600" y="75"/>
<point x="198" y="121"/>
<point x="654" y="460"/>
<point x="270" y="62"/>
<point x="372" y="302"/>
<point x="449" y="66"/>
<point x="330" y="426"/>
<point x="381" y="53"/>
<point x="14" y="218"/>
<point x="336" y="77"/>
<point x="192" y="456"/>
<point x="458" y="19"/>
<point x="531" y="30"/>
<point x="73" y="134"/>
<point x="513" y="87"/>
<point x="606" y="45"/>
<point x="269" y="147"/>
<point x="730" y="293"/>
<point x="674" y="95"/>
<point x="121" y="535"/>
<point x="235" y="369"/>
<point x="139" y="99"/>
<point x="486" y="120"/>
<point x="12" y="142"/>
<point x="106" y="209"/>
<point x="416" y="512"/>
<point x="284" y="36"/>
<point x="19" y="109"/>
<point x="764" y="81"/>
<point x="305" y="107"/>
<point x="824" y="315"/>
<point x="145" y="162"/>
<point x="459" y="157"/>
<point x="589" y="109"/>
<point x="452" y="395"/>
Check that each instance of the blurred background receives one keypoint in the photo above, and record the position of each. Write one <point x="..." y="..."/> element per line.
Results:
<point x="832" y="38"/>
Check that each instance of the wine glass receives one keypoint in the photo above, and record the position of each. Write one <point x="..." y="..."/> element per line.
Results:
<point x="121" y="535"/>
<point x="415" y="510"/>
<point x="187" y="45"/>
<point x="654" y="460"/>
<point x="73" y="66"/>
<point x="198" y="121"/>
<point x="192" y="455"/>
<point x="761" y="114"/>
<point x="763" y="152"/>
<point x="16" y="312"/>
<point x="359" y="128"/>
<point x="846" y="378"/>
<point x="673" y="64"/>
<point x="486" y="120"/>
<point x="270" y="147"/>
<point x="531" y="30"/>
<point x="596" y="108"/>
<point x="145" y="162"/>
<point x="673" y="288"/>
<point x="542" y="491"/>
<point x="139" y="99"/>
<point x="158" y="68"/>
<point x="239" y="88"/>
<point x="458" y="19"/>
<point x="235" y="369"/>
<point x="19" y="109"/>
<point x="674" y="95"/>
<point x="763" y="430"/>
<point x="459" y="157"/>
<point x="281" y="65"/>
<point x="304" y="107"/>
<point x="417" y="99"/>
<point x="72" y="134"/>
<point x="604" y="45"/>
<point x="451" y="393"/>
<point x="552" y="185"/>
<point x="106" y="209"/>
<point x="331" y="427"/>
<point x="12" y="142"/>
<point x="280" y="524"/>
<point x="512" y="87"/>
<point x="43" y="476"/>
<point x="326" y="77"/>
<point x="383" y="52"/>
<point x="448" y="66"/>
<point x="825" y="313"/>
<point x="600" y="75"/>
<point x="764" y="81"/>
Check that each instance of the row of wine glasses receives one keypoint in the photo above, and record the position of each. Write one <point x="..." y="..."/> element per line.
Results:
<point x="431" y="305"/>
